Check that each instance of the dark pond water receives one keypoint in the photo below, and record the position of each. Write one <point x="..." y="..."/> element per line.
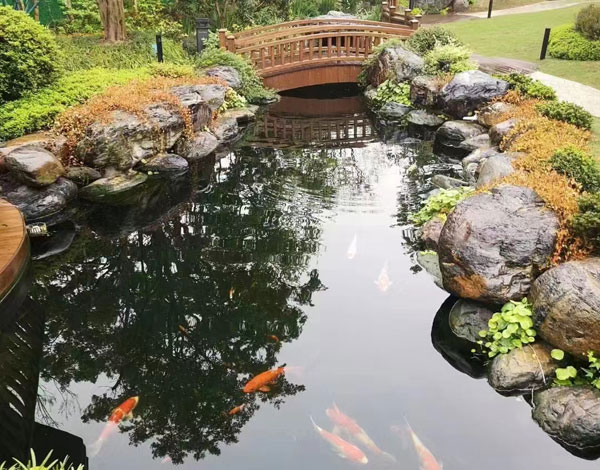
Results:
<point x="259" y="243"/>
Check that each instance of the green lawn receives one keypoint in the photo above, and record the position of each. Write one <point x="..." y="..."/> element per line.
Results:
<point x="595" y="145"/>
<point x="520" y="37"/>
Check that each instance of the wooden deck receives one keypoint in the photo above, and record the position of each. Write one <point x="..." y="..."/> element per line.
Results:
<point x="14" y="247"/>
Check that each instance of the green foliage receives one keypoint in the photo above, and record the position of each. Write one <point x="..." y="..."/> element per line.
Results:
<point x="391" y="91"/>
<point x="45" y="464"/>
<point x="416" y="11"/>
<point x="151" y="15"/>
<point x="440" y="205"/>
<point x="527" y="86"/>
<point x="425" y="40"/>
<point x="566" y="43"/>
<point x="567" y="112"/>
<point x="557" y="354"/>
<point x="171" y="70"/>
<point x="579" y="165"/>
<point x="590" y="375"/>
<point x="588" y="22"/>
<point x="509" y="329"/>
<point x="36" y="111"/>
<point x="448" y="58"/>
<point x="29" y="56"/>
<point x="300" y="9"/>
<point x="587" y="222"/>
<point x="252" y="87"/>
<point x="83" y="16"/>
<point x="86" y="52"/>
<point x="233" y="100"/>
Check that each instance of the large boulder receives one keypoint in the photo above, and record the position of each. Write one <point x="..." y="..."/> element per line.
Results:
<point x="82" y="175"/>
<point x="430" y="232"/>
<point x="467" y="318"/>
<point x="228" y="74"/>
<point x="451" y="134"/>
<point x="393" y="111"/>
<point x="570" y="415"/>
<point x="198" y="147"/>
<point x="425" y="91"/>
<point x="55" y="144"/>
<point x="34" y="166"/>
<point x="481" y="141"/>
<point x="395" y="62"/>
<point x="523" y="369"/>
<point x="201" y="101"/>
<point x="115" y="190"/>
<point x="566" y="302"/>
<point x="422" y="117"/>
<point x="493" y="245"/>
<point x="39" y="204"/>
<point x="126" y="139"/>
<point x="165" y="163"/>
<point x="468" y="91"/>
<point x="495" y="167"/>
<point x="501" y="130"/>
<point x="492" y="113"/>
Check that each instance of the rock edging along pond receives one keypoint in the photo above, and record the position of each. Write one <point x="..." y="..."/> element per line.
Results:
<point x="502" y="241"/>
<point x="116" y="154"/>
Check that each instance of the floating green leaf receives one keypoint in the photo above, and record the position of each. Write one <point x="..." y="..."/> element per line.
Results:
<point x="558" y="354"/>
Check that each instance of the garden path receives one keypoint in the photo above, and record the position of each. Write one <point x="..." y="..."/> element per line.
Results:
<point x="574" y="92"/>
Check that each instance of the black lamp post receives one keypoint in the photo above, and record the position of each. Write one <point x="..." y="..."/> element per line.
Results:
<point x="202" y="27"/>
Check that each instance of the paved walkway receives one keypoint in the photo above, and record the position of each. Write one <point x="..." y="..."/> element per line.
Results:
<point x="534" y="7"/>
<point x="567" y="90"/>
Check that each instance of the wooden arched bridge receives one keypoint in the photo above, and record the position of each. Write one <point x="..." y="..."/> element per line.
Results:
<point x="315" y="51"/>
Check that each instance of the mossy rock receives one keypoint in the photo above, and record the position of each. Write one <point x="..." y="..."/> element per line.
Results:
<point x="116" y="190"/>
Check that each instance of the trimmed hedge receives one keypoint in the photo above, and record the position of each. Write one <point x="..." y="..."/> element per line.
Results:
<point x="566" y="112"/>
<point x="566" y="43"/>
<point x="579" y="165"/>
<point x="588" y="22"/>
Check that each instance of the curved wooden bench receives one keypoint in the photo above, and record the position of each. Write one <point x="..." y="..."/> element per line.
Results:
<point x="14" y="247"/>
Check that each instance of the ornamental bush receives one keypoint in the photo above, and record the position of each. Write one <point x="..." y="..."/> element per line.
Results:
<point x="29" y="56"/>
<point x="426" y="39"/>
<point x="588" y="22"/>
<point x="576" y="164"/>
<point x="449" y="58"/>
<point x="587" y="222"/>
<point x="566" y="43"/>
<point x="566" y="112"/>
<point x="529" y="87"/>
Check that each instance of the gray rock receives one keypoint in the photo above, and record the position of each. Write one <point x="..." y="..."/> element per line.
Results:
<point x="165" y="163"/>
<point x="566" y="300"/>
<point x="493" y="245"/>
<point x="425" y="91"/>
<point x="447" y="182"/>
<point x="481" y="141"/>
<point x="192" y="98"/>
<point x="228" y="74"/>
<point x="451" y="134"/>
<point x="473" y="162"/>
<point x="82" y="175"/>
<point x="430" y="232"/>
<point x="421" y="117"/>
<point x="114" y="190"/>
<point x="55" y="144"/>
<point x="34" y="166"/>
<point x="242" y="115"/>
<point x="494" y="168"/>
<point x="212" y="95"/>
<point x="225" y="127"/>
<point x="570" y="415"/>
<point x="370" y="93"/>
<point x="490" y="114"/>
<point x="397" y="63"/>
<point x="201" y="145"/>
<point x="468" y="91"/>
<point x="429" y="261"/>
<point x="467" y="318"/>
<point x="393" y="111"/>
<point x="38" y="204"/>
<point x="523" y="369"/>
<point x="501" y="130"/>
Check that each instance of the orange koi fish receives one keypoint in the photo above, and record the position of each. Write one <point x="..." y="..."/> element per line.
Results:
<point x="384" y="282"/>
<point x="274" y="338"/>
<point x="183" y="331"/>
<point x="344" y="449"/>
<point x="236" y="410"/>
<point x="428" y="461"/>
<point x="123" y="412"/>
<point x="356" y="433"/>
<point x="261" y="381"/>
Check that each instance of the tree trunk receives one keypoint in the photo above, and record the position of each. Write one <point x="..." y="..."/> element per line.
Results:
<point x="112" y="14"/>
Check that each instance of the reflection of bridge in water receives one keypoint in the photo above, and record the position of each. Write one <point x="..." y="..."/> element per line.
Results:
<point x="298" y="122"/>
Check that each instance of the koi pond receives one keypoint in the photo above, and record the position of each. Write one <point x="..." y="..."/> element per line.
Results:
<point x="290" y="250"/>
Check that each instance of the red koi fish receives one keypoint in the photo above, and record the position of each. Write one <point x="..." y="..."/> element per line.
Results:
<point x="236" y="410"/>
<point x="123" y="412"/>
<point x="351" y="428"/>
<point x="344" y="449"/>
<point x="428" y="461"/>
<point x="261" y="381"/>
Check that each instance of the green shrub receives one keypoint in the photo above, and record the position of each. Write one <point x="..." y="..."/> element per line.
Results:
<point x="580" y="166"/>
<point x="529" y="87"/>
<point x="391" y="91"/>
<point x="29" y="56"/>
<point x="152" y="16"/>
<point x="566" y="43"/>
<point x="440" y="205"/>
<point x="588" y="22"/>
<point x="566" y="112"/>
<point x="83" y="16"/>
<point x="233" y="100"/>
<point x="587" y="222"/>
<point x="425" y="40"/>
<point x="449" y="58"/>
<point x="87" y="52"/>
<point x="36" y="111"/>
<point x="300" y="9"/>
<point x="509" y="329"/>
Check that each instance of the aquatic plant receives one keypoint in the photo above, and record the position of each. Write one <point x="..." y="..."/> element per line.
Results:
<point x="571" y="375"/>
<point x="440" y="205"/>
<point x="46" y="464"/>
<point x="392" y="91"/>
<point x="509" y="329"/>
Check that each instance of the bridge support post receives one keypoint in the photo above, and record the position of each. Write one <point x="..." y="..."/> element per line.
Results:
<point x="231" y="43"/>
<point x="223" y="38"/>
<point x="414" y="24"/>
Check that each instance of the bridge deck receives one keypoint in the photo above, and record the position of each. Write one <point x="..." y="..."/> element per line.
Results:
<point x="14" y="247"/>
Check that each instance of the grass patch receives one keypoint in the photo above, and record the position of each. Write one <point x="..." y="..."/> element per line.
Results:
<point x="595" y="142"/>
<point x="520" y="37"/>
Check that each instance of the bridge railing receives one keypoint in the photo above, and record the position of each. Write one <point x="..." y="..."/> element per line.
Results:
<point x="390" y="12"/>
